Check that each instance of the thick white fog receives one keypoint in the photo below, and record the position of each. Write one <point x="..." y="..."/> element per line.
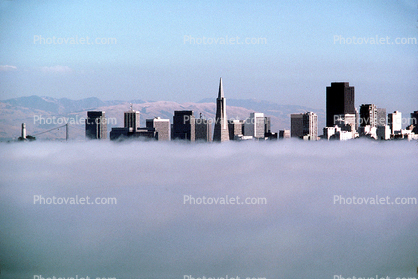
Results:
<point x="151" y="233"/>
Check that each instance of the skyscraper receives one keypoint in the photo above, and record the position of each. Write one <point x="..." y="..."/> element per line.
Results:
<point x="395" y="122"/>
<point x="368" y="115"/>
<point x="340" y="100"/>
<point x="310" y="125"/>
<point x="203" y="129"/>
<point x="184" y="125"/>
<point x="235" y="128"/>
<point x="96" y="127"/>
<point x="267" y="125"/>
<point x="221" y="126"/>
<point x="254" y="126"/>
<point x="131" y="120"/>
<point x="304" y="125"/>
<point x="161" y="126"/>
<point x="381" y="117"/>
<point x="296" y="125"/>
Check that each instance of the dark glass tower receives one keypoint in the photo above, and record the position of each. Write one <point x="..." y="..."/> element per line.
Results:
<point x="184" y="125"/>
<point x="96" y="127"/>
<point x="340" y="100"/>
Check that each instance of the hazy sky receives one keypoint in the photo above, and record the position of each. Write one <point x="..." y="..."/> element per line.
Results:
<point x="149" y="58"/>
<point x="150" y="232"/>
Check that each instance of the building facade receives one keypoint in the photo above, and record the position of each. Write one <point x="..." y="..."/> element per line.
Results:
<point x="381" y="117"/>
<point x="96" y="126"/>
<point x="304" y="125"/>
<point x="395" y="122"/>
<point x="368" y="115"/>
<point x="161" y="126"/>
<point x="339" y="100"/>
<point x="254" y="126"/>
<point x="203" y="129"/>
<point x="235" y="128"/>
<point x="184" y="125"/>
<point x="131" y="120"/>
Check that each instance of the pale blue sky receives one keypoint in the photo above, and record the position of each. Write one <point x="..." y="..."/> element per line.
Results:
<point x="151" y="61"/>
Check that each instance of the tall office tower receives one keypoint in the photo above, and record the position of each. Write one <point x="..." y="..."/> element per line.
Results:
<point x="254" y="126"/>
<point x="161" y="126"/>
<point x="368" y="115"/>
<point x="414" y="121"/>
<point x="310" y="125"/>
<point x="304" y="125"/>
<point x="203" y="129"/>
<point x="381" y="116"/>
<point x="395" y="122"/>
<point x="184" y="125"/>
<point x="131" y="120"/>
<point x="267" y="125"/>
<point x="235" y="128"/>
<point x="296" y="125"/>
<point x="221" y="127"/>
<point x="340" y="100"/>
<point x="96" y="127"/>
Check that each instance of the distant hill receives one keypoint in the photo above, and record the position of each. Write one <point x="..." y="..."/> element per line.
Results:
<point x="31" y="109"/>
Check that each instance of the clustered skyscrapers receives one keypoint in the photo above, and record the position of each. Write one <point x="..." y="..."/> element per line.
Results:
<point x="343" y="122"/>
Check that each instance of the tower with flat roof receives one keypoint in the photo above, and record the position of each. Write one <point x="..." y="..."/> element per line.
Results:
<point x="184" y="125"/>
<point x="340" y="100"/>
<point x="96" y="127"/>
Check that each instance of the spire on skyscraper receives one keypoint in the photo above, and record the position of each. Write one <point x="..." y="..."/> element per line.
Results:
<point x="221" y="90"/>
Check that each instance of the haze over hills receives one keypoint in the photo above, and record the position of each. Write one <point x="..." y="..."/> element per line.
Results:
<point x="35" y="110"/>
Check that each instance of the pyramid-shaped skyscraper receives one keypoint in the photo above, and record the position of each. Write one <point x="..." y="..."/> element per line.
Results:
<point x="221" y="123"/>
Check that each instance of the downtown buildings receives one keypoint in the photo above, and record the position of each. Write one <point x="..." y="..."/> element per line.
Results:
<point x="343" y="120"/>
<point x="186" y="127"/>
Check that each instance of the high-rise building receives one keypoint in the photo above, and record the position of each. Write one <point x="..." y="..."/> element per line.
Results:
<point x="395" y="122"/>
<point x="340" y="100"/>
<point x="161" y="126"/>
<point x="131" y="120"/>
<point x="381" y="117"/>
<point x="254" y="126"/>
<point x="184" y="125"/>
<point x="304" y="125"/>
<point x="414" y="121"/>
<point x="267" y="125"/>
<point x="221" y="126"/>
<point x="235" y="128"/>
<point x="203" y="129"/>
<point x="310" y="125"/>
<point x="96" y="126"/>
<point x="296" y="125"/>
<point x="368" y="115"/>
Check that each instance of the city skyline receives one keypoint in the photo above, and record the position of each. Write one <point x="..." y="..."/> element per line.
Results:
<point x="208" y="139"/>
<point x="342" y="121"/>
